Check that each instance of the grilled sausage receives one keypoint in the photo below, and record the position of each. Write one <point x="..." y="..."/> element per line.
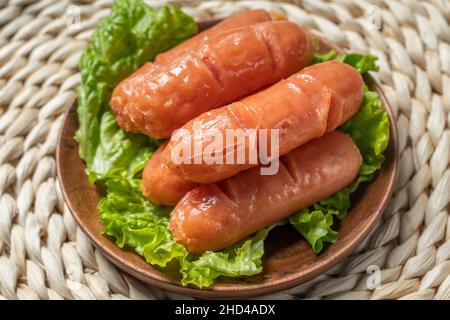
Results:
<point x="305" y="106"/>
<point x="215" y="216"/>
<point x="245" y="18"/>
<point x="160" y="184"/>
<point x="248" y="17"/>
<point x="226" y="67"/>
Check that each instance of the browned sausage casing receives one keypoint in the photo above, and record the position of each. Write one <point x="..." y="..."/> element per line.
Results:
<point x="245" y="18"/>
<point x="160" y="184"/>
<point x="215" y="216"/>
<point x="226" y="67"/>
<point x="241" y="19"/>
<point x="304" y="106"/>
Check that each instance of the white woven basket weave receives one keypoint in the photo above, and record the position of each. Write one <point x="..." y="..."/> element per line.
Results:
<point x="43" y="255"/>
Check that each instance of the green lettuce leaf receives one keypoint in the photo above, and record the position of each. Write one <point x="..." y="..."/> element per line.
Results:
<point x="117" y="152"/>
<point x="327" y="56"/>
<point x="369" y="128"/>
<point x="242" y="259"/>
<point x="137" y="223"/>
<point x="315" y="227"/>
<point x="361" y="62"/>
<point x="130" y="35"/>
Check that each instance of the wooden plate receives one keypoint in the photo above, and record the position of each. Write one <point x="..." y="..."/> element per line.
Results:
<point x="288" y="261"/>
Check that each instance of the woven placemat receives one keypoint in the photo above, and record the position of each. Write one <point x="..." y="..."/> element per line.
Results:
<point x="44" y="255"/>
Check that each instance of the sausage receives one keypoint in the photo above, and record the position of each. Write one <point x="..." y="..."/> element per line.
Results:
<point x="122" y="113"/>
<point x="241" y="19"/>
<point x="233" y="64"/>
<point x="215" y="216"/>
<point x="160" y="184"/>
<point x="302" y="107"/>
<point x="248" y="17"/>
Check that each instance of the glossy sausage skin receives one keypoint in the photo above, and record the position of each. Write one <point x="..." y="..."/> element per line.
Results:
<point x="118" y="103"/>
<point x="160" y="184"/>
<point x="215" y="216"/>
<point x="241" y="19"/>
<point x="226" y="67"/>
<point x="302" y="107"/>
<point x="248" y="17"/>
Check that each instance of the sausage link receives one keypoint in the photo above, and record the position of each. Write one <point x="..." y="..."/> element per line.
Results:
<point x="215" y="216"/>
<point x="160" y="184"/>
<point x="226" y="67"/>
<point x="302" y="107"/>
<point x="248" y="17"/>
<point x="245" y="18"/>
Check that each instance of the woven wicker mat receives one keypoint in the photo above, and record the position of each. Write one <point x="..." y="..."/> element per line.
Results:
<point x="44" y="255"/>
